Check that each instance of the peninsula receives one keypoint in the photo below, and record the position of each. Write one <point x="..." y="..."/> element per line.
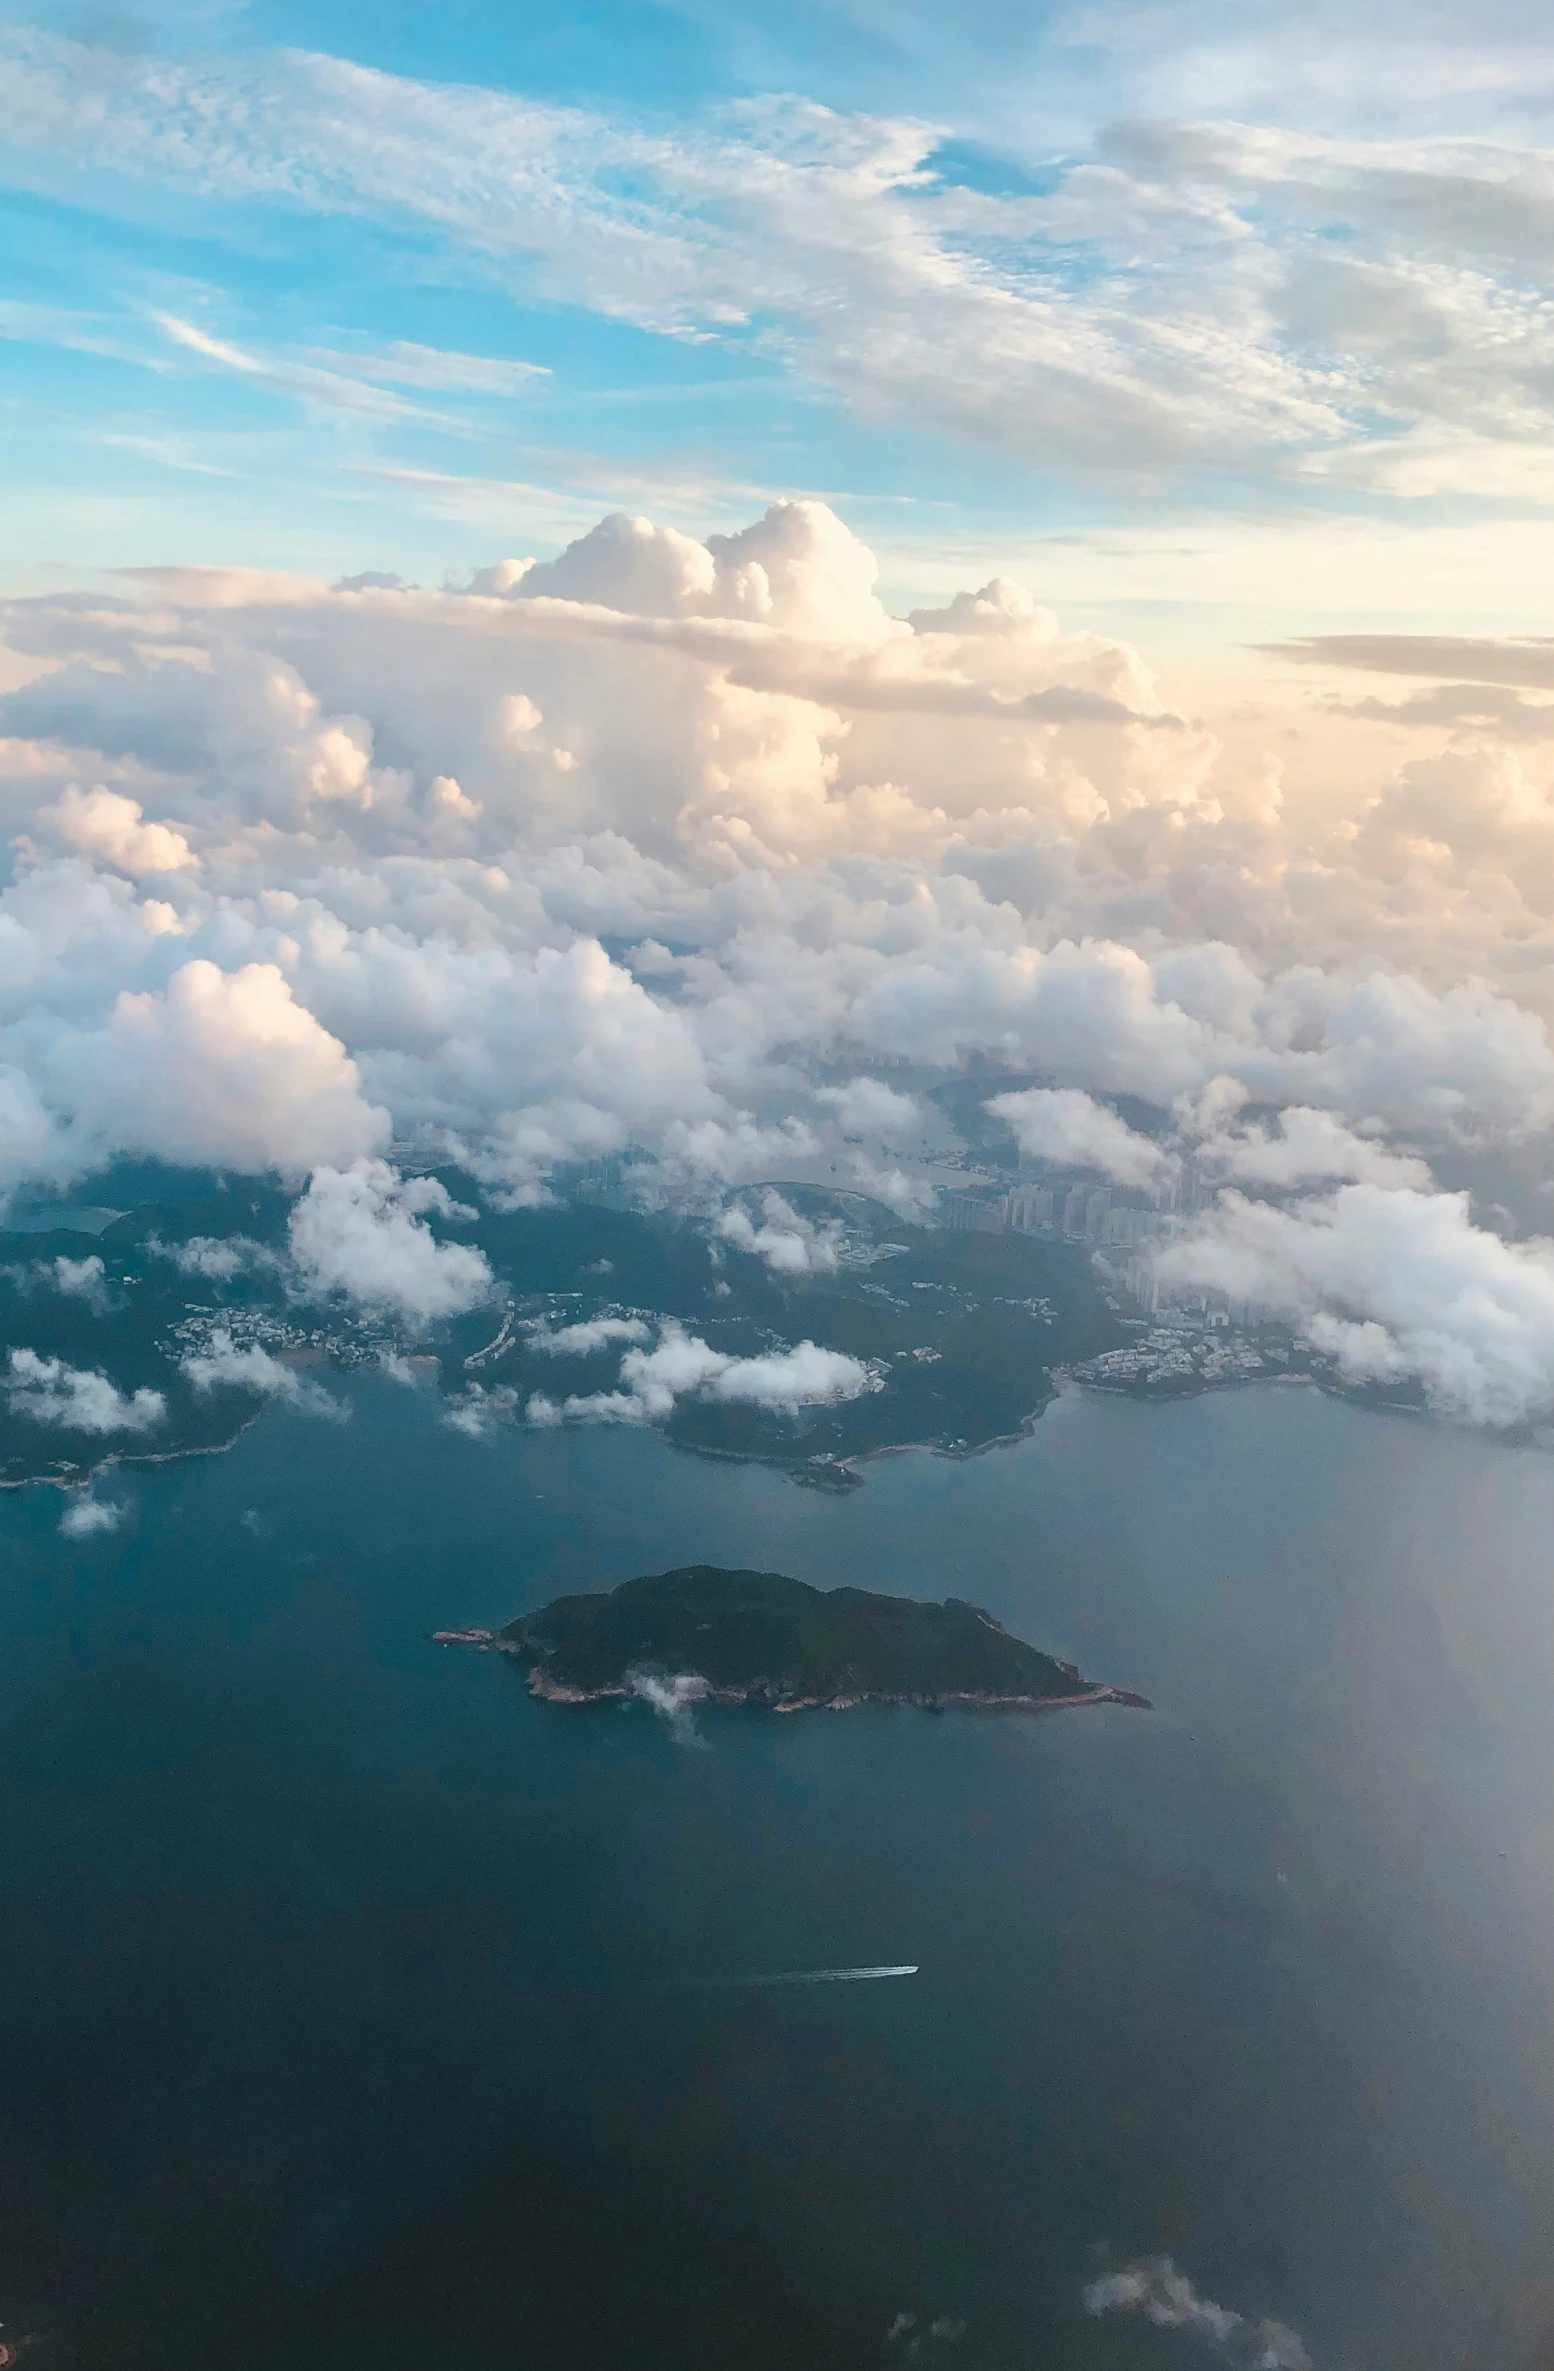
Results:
<point x="760" y="1638"/>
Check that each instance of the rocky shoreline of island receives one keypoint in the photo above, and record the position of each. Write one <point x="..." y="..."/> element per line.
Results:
<point x="548" y="1690"/>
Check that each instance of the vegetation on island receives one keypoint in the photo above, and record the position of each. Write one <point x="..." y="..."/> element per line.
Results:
<point x="963" y="1329"/>
<point x="959" y="1332"/>
<point x="764" y="1638"/>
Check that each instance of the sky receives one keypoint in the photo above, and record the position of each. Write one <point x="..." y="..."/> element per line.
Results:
<point x="1220" y="324"/>
<point x="658" y="579"/>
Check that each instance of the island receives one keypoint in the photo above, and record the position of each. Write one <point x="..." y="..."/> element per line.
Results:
<point x="951" y="1337"/>
<point x="706" y="1634"/>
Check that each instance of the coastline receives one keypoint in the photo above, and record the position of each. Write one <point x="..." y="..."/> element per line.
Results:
<point x="838" y="1475"/>
<point x="81" y="1477"/>
<point x="842" y="1473"/>
<point x="550" y="1691"/>
<point x="553" y="1691"/>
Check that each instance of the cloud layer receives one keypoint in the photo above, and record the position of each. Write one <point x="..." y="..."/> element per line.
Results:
<point x="1394" y="1283"/>
<point x="687" y="854"/>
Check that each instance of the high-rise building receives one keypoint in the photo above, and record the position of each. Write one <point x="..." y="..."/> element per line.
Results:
<point x="1030" y="1208"/>
<point x="971" y="1216"/>
<point x="1143" y="1284"/>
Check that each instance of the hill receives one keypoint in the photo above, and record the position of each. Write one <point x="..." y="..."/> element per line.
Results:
<point x="763" y="1638"/>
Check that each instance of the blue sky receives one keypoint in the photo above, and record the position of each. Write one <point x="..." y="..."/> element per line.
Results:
<point x="1208" y="322"/>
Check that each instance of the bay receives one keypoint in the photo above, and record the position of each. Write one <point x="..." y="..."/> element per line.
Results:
<point x="359" y="2010"/>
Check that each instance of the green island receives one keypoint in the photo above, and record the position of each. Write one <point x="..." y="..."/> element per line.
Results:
<point x="703" y="1633"/>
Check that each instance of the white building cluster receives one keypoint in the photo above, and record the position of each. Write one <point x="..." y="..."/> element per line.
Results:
<point x="1172" y="1358"/>
<point x="1082" y="1214"/>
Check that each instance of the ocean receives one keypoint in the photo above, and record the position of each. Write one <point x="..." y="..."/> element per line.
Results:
<point x="360" y="2011"/>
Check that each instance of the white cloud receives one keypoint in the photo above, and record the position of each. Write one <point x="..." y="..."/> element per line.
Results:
<point x="404" y="364"/>
<point x="682" y="1364"/>
<point x="107" y="827"/>
<point x="218" y="1068"/>
<point x="82" y="1280"/>
<point x="227" y="1365"/>
<point x="214" y="1258"/>
<point x="86" y="1516"/>
<point x="1069" y="1128"/>
<point x="49" y="1392"/>
<point x="673" y="1700"/>
<point x="584" y="1338"/>
<point x="479" y="1410"/>
<point x="247" y="1368"/>
<point x="1160" y="300"/>
<point x="1154" y="2288"/>
<point x="867" y="1107"/>
<point x="1305" y="1147"/>
<point x="786" y="1243"/>
<point x="362" y="1231"/>
<point x="801" y="841"/>
<point x="785" y="1380"/>
<point x="1368" y="303"/>
<point x="1393" y="1282"/>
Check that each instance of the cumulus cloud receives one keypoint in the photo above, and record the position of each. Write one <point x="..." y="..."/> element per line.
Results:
<point x="218" y="1069"/>
<point x="226" y="1364"/>
<point x="782" y="1381"/>
<point x="588" y="1335"/>
<point x="874" y="845"/>
<point x="78" y="1280"/>
<point x="479" y="1410"/>
<point x="1154" y="2288"/>
<point x="682" y="1365"/>
<point x="1305" y="1147"/>
<point x="1393" y="1282"/>
<point x="82" y="1280"/>
<point x="87" y="1517"/>
<point x="80" y="1399"/>
<point x="682" y="862"/>
<point x="1065" y="1126"/>
<point x="362" y="1231"/>
<point x="784" y="1241"/>
<point x="868" y="1107"/>
<point x="104" y="825"/>
<point x="214" y="1258"/>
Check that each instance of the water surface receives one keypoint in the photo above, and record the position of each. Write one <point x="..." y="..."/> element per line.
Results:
<point x="360" y="2011"/>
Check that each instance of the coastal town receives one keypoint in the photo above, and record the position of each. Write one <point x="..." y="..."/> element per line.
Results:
<point x="1183" y="1342"/>
<point x="1184" y="1356"/>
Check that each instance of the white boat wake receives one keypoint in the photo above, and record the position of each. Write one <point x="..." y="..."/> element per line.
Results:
<point x="833" y="1976"/>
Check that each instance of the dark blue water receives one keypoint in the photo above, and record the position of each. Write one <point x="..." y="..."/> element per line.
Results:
<point x="359" y="2011"/>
